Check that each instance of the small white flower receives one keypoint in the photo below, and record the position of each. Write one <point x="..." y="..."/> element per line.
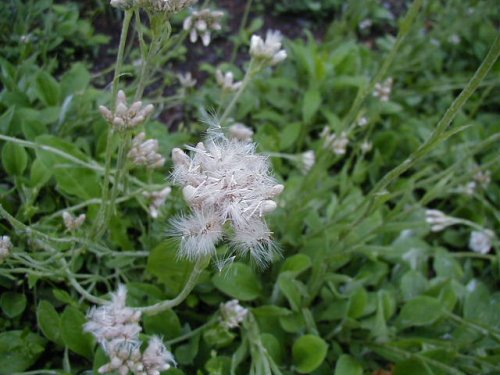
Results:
<point x="165" y="6"/>
<point x="201" y="23"/>
<point x="383" y="90"/>
<point x="307" y="159"/>
<point x="145" y="153"/>
<point x="338" y="144"/>
<point x="232" y="314"/>
<point x="73" y="223"/>
<point x="157" y="199"/>
<point x="438" y="220"/>
<point x="240" y="132"/>
<point x="366" y="146"/>
<point x="126" y="117"/>
<point x="5" y="247"/>
<point x="226" y="81"/>
<point x="365" y="24"/>
<point x="454" y="39"/>
<point x="156" y="357"/>
<point x="480" y="241"/>
<point x="269" y="51"/>
<point x="362" y="121"/>
<point x="186" y="80"/>
<point x="225" y="182"/>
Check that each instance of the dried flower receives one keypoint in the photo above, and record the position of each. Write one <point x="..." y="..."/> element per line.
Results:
<point x="438" y="220"/>
<point x="307" y="161"/>
<point x="365" y="24"/>
<point x="158" y="199"/>
<point x="73" y="223"/>
<point x="5" y="247"/>
<point x="338" y="144"/>
<point x="480" y="241"/>
<point x="165" y="6"/>
<point x="145" y="153"/>
<point x="186" y="80"/>
<point x="383" y="90"/>
<point x="226" y="81"/>
<point x="232" y="313"/>
<point x="224" y="181"/>
<point x="124" y="117"/>
<point x="156" y="357"/>
<point x="201" y="23"/>
<point x="240" y="132"/>
<point x="268" y="52"/>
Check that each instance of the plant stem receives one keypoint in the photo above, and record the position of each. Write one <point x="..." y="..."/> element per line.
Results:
<point x="199" y="267"/>
<point x="191" y="333"/>
<point x="243" y="24"/>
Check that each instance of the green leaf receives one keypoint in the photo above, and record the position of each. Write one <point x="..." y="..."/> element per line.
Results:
<point x="71" y="178"/>
<point x="72" y="321"/>
<point x="308" y="353"/>
<point x="346" y="365"/>
<point x="6" y="120"/>
<point x="411" y="367"/>
<point x="164" y="263"/>
<point x="19" y="350"/>
<point x="166" y="324"/>
<point x="13" y="304"/>
<point x="289" y="135"/>
<point x="412" y="284"/>
<point x="49" y="322"/>
<point x="47" y="89"/>
<point x="75" y="80"/>
<point x="39" y="173"/>
<point x="296" y="264"/>
<point x="272" y="346"/>
<point x="311" y="103"/>
<point x="292" y="289"/>
<point x="238" y="281"/>
<point x="420" y="311"/>
<point x="14" y="159"/>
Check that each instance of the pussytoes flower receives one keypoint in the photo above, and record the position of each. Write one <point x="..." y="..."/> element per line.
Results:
<point x="268" y="51"/>
<point x="383" y="90"/>
<point x="366" y="146"/>
<point x="307" y="160"/>
<point x="156" y="358"/>
<point x="240" y="132"/>
<point x="226" y="81"/>
<point x="201" y="23"/>
<point x="438" y="220"/>
<point x="480" y="241"/>
<point x="165" y="6"/>
<point x="232" y="313"/>
<point x="145" y="152"/>
<point x="5" y="247"/>
<point x="122" y="4"/>
<point x="157" y="200"/>
<point x="337" y="143"/>
<point x="125" y="117"/>
<point x="226" y="184"/>
<point x="483" y="178"/>
<point x="73" y="223"/>
<point x="186" y="80"/>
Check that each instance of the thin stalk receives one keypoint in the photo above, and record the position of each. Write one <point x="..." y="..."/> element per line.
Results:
<point x="199" y="267"/>
<point x="243" y="24"/>
<point x="192" y="333"/>
<point x="119" y="56"/>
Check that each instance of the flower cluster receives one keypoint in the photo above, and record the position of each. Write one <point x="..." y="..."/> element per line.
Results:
<point x="116" y="328"/>
<point x="438" y="220"/>
<point x="186" y="80"/>
<point x="240" y="132"/>
<point x="232" y="314"/>
<point x="307" y="159"/>
<point x="225" y="182"/>
<point x="165" y="6"/>
<point x="73" y="223"/>
<point x="157" y="200"/>
<point x="383" y="90"/>
<point x="201" y="23"/>
<point x="480" y="241"/>
<point x="5" y="246"/>
<point x="145" y="153"/>
<point x="268" y="51"/>
<point x="338" y="144"/>
<point x="226" y="81"/>
<point x="124" y="117"/>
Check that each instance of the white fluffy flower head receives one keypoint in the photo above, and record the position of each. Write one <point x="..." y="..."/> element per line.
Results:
<point x="73" y="223"/>
<point x="268" y="51"/>
<point x="480" y="241"/>
<point x="229" y="189"/>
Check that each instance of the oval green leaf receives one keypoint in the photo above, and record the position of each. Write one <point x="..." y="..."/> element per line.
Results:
<point x="308" y="353"/>
<point x="238" y="281"/>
